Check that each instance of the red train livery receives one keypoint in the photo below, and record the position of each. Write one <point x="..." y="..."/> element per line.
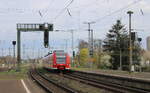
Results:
<point x="57" y="60"/>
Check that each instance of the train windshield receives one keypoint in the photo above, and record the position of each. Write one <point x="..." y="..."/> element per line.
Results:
<point x="61" y="58"/>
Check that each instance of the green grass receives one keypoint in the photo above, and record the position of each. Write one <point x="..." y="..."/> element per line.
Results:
<point x="13" y="74"/>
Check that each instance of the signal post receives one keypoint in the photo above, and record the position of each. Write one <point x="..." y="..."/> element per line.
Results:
<point x="46" y="27"/>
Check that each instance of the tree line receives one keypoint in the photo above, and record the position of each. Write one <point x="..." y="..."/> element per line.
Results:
<point x="114" y="53"/>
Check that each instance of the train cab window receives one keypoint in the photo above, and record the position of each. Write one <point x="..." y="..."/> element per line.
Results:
<point x="60" y="57"/>
<point x="61" y="60"/>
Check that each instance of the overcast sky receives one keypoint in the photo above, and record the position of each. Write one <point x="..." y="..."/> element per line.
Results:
<point x="103" y="12"/>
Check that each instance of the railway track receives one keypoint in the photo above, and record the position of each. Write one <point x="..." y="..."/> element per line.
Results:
<point x="104" y="84"/>
<point x="48" y="85"/>
<point x="114" y="87"/>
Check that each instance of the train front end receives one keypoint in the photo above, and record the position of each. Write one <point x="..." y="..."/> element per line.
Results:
<point x="61" y="61"/>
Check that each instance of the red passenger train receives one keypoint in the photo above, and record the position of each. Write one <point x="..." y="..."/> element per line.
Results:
<point x="57" y="60"/>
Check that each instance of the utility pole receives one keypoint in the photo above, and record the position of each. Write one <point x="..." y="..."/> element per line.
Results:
<point x="120" y="50"/>
<point x="130" y="42"/>
<point x="89" y="34"/>
<point x="90" y="41"/>
<point x="120" y="59"/>
<point x="72" y="40"/>
<point x="18" y="50"/>
<point x="92" y="47"/>
<point x="139" y="40"/>
<point x="73" y="52"/>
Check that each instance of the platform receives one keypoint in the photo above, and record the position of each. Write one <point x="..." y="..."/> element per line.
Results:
<point x="19" y="86"/>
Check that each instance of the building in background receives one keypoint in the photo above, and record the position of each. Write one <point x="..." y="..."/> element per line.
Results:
<point x="98" y="45"/>
<point x="148" y="43"/>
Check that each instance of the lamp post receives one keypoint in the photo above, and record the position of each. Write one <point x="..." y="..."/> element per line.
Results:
<point x="130" y="42"/>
